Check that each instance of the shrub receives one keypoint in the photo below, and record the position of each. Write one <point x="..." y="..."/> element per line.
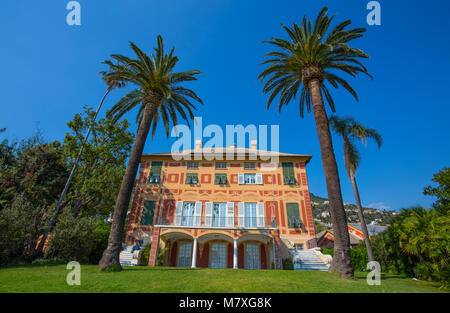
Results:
<point x="100" y="242"/>
<point x="358" y="256"/>
<point x="48" y="262"/>
<point x="287" y="264"/>
<point x="73" y="238"/>
<point x="20" y="226"/>
<point x="145" y="254"/>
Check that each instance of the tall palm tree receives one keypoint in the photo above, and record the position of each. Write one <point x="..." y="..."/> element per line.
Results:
<point x="307" y="60"/>
<point x="158" y="93"/>
<point x="350" y="129"/>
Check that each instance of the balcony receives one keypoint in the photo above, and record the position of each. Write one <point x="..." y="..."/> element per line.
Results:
<point x="213" y="222"/>
<point x="153" y="179"/>
<point x="296" y="223"/>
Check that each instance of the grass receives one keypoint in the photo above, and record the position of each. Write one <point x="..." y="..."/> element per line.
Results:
<point x="169" y="279"/>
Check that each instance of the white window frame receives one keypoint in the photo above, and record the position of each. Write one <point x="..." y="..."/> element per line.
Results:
<point x="246" y="166"/>
<point x="192" y="165"/>
<point x="249" y="181"/>
<point x="250" y="213"/>
<point x="230" y="214"/>
<point x="221" y="168"/>
<point x="209" y="207"/>
<point x="222" y="206"/>
<point x="187" y="219"/>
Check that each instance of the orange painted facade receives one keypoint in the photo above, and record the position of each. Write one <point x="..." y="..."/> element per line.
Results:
<point x="230" y="244"/>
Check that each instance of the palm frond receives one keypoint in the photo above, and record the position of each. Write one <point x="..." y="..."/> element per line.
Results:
<point x="308" y="46"/>
<point x="157" y="85"/>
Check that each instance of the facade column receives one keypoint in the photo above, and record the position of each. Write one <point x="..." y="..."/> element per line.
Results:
<point x="194" y="253"/>
<point x="235" y="254"/>
<point x="272" y="254"/>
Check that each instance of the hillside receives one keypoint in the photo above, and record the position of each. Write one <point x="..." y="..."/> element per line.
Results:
<point x="321" y="209"/>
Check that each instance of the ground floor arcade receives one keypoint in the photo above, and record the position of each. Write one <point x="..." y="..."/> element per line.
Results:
<point x="218" y="250"/>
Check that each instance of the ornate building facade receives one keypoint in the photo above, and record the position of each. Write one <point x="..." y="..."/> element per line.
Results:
<point x="211" y="211"/>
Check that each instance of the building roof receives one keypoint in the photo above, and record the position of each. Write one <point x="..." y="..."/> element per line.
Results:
<point x="354" y="240"/>
<point x="372" y="229"/>
<point x="243" y="152"/>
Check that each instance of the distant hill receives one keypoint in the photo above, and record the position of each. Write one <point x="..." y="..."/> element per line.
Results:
<point x="321" y="213"/>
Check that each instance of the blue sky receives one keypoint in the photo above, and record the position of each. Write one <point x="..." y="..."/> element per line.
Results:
<point x="50" y="71"/>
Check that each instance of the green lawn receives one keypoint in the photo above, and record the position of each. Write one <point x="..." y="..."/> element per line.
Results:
<point x="167" y="279"/>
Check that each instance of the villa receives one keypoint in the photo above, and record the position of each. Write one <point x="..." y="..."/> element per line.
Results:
<point x="217" y="212"/>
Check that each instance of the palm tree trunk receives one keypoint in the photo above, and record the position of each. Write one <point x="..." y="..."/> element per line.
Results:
<point x="341" y="261"/>
<point x="361" y="219"/>
<point x="110" y="258"/>
<point x="59" y="204"/>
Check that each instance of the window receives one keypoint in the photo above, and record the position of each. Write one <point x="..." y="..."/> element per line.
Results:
<point x="249" y="165"/>
<point x="148" y="212"/>
<point x="184" y="254"/>
<point x="288" y="173"/>
<point x="221" y="165"/>
<point x="220" y="179"/>
<point x="219" y="214"/>
<point x="252" y="256"/>
<point x="155" y="172"/>
<point x="218" y="255"/>
<point x="188" y="214"/>
<point x="191" y="178"/>
<point x="249" y="179"/>
<point x="192" y="165"/>
<point x="293" y="214"/>
<point x="250" y="214"/>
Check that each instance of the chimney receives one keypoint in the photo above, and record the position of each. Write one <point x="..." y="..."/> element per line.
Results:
<point x="252" y="152"/>
<point x="198" y="144"/>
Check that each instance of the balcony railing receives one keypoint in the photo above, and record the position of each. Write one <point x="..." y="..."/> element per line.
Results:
<point x="218" y="222"/>
<point x="296" y="223"/>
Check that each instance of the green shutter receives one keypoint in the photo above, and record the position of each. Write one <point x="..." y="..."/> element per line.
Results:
<point x="190" y="176"/>
<point x="148" y="211"/>
<point x="293" y="214"/>
<point x="156" y="168"/>
<point x="155" y="171"/>
<point x="288" y="172"/>
<point x="220" y="179"/>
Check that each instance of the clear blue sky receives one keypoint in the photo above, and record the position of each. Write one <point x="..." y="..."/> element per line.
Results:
<point x="49" y="71"/>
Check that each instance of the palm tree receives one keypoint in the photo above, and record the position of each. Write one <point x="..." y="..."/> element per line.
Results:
<point x="350" y="129"/>
<point x="308" y="59"/>
<point x="158" y="94"/>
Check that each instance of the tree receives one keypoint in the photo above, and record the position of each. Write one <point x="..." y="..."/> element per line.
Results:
<point x="7" y="161"/>
<point x="33" y="168"/>
<point x="159" y="94"/>
<point x="111" y="83"/>
<point x="102" y="165"/>
<point x="306" y="61"/>
<point x="442" y="191"/>
<point x="417" y="244"/>
<point x="21" y="224"/>
<point x="350" y="129"/>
